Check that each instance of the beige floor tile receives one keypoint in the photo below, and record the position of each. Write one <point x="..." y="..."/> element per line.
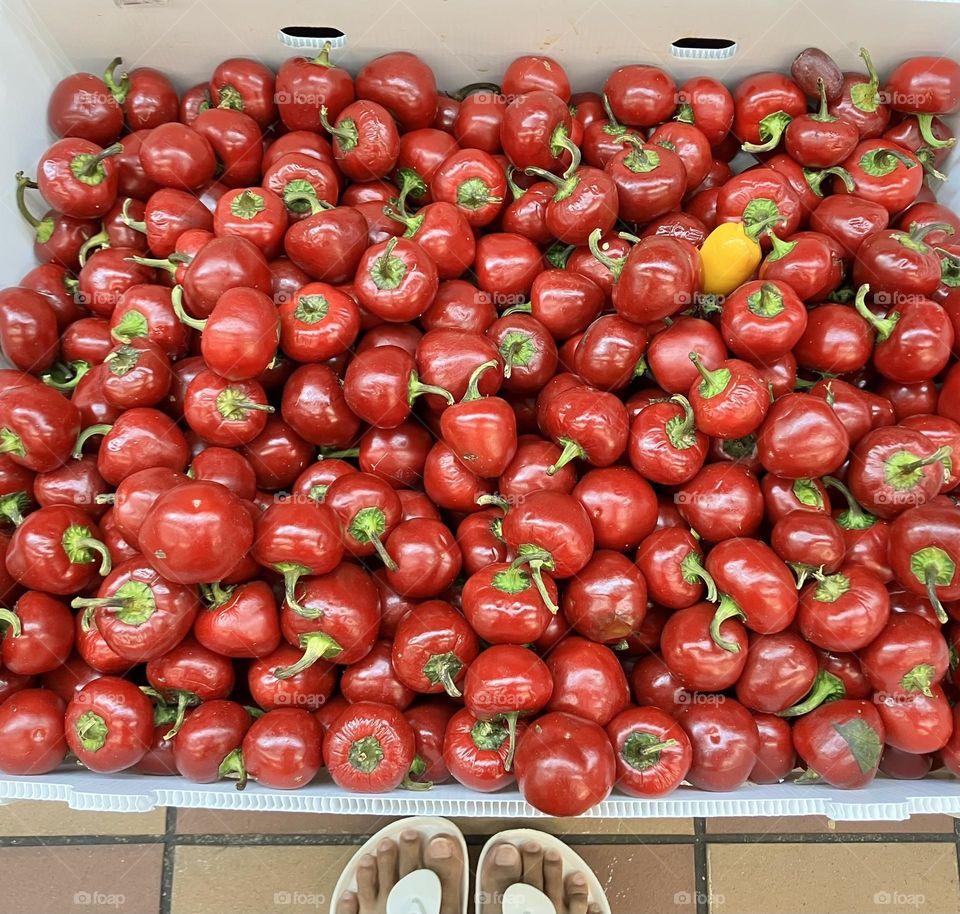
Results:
<point x="101" y="879"/>
<point x="215" y="822"/>
<point x="582" y="826"/>
<point x="805" y="825"/>
<point x="642" y="878"/>
<point x="835" y="878"/>
<point x="28" y="818"/>
<point x="254" y="880"/>
<point x="637" y="878"/>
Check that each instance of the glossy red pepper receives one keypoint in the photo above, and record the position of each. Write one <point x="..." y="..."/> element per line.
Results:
<point x="82" y="105"/>
<point x="304" y="85"/>
<point x="32" y="727"/>
<point x="474" y="182"/>
<point x="109" y="725"/>
<point x="369" y="747"/>
<point x="657" y="279"/>
<point x="475" y="751"/>
<point x="725" y="743"/>
<point x="729" y="401"/>
<point x="843" y="611"/>
<point x="79" y="178"/>
<point x="565" y="765"/>
<point x="841" y="742"/>
<point x="505" y="682"/>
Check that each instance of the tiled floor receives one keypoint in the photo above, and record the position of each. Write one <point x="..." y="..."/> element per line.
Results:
<point x="57" y="861"/>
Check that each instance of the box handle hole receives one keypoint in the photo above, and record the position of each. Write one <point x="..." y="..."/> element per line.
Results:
<point x="311" y="37"/>
<point x="704" y="48"/>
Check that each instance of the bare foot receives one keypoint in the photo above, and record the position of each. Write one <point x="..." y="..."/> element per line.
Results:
<point x="506" y="865"/>
<point x="378" y="873"/>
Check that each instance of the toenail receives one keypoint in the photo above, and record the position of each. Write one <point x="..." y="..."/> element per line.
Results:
<point x="384" y="846"/>
<point x="409" y="835"/>
<point x="552" y="856"/>
<point x="532" y="847"/>
<point x="441" y="848"/>
<point x="578" y="879"/>
<point x="505" y="855"/>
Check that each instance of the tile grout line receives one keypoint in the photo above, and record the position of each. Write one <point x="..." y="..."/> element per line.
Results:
<point x="956" y="834"/>
<point x="169" y="852"/>
<point x="701" y="879"/>
<point x="702" y="837"/>
<point x="832" y="838"/>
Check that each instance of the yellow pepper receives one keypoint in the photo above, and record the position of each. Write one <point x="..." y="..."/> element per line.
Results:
<point x="730" y="256"/>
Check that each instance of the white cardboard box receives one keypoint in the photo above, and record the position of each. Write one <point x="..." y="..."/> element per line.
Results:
<point x="43" y="40"/>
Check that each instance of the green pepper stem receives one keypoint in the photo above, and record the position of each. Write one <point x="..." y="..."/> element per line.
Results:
<point x="493" y="499"/>
<point x="316" y="646"/>
<point x="398" y="214"/>
<point x="826" y="687"/>
<point x="323" y="58"/>
<point x="10" y="621"/>
<point x="409" y="784"/>
<point x="232" y="767"/>
<point x="755" y="229"/>
<point x="682" y="433"/>
<point x="823" y="111"/>
<point x="614" y="265"/>
<point x="571" y="451"/>
<point x="611" y="117"/>
<point x="555" y="180"/>
<point x="91" y="166"/>
<point x="381" y="552"/>
<point x="96" y="241"/>
<point x="74" y="373"/>
<point x="772" y="127"/>
<point x="339" y="455"/>
<point x="930" y="580"/>
<point x="693" y="569"/>
<point x="292" y="572"/>
<point x="716" y="381"/>
<point x="417" y="389"/>
<point x="883" y="326"/>
<point x="184" y="701"/>
<point x="128" y="220"/>
<point x="85" y="435"/>
<point x="523" y="308"/>
<point x="155" y="262"/>
<point x="516" y="191"/>
<point x="511" y="718"/>
<point x="410" y="183"/>
<point x="473" y="385"/>
<point x="339" y="132"/>
<point x="474" y="88"/>
<point x="118" y="88"/>
<point x="938" y="456"/>
<point x="871" y="69"/>
<point x="925" y="126"/>
<point x="176" y="301"/>
<point x="12" y="506"/>
<point x="216" y="594"/>
<point x="305" y="194"/>
<point x="779" y="247"/>
<point x="536" y="561"/>
<point x="23" y="182"/>
<point x="95" y="545"/>
<point x="728" y="609"/>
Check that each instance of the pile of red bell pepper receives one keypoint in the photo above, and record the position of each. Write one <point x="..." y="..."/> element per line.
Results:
<point x="509" y="434"/>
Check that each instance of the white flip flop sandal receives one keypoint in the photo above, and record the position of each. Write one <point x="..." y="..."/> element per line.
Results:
<point x="524" y="899"/>
<point x="418" y="892"/>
